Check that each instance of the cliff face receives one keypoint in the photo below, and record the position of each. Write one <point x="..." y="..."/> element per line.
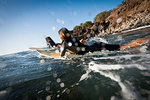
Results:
<point x="128" y="15"/>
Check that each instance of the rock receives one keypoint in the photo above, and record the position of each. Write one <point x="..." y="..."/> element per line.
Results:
<point x="112" y="29"/>
<point x="137" y="22"/>
<point x="143" y="20"/>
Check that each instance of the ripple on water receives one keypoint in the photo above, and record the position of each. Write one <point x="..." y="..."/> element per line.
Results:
<point x="2" y="65"/>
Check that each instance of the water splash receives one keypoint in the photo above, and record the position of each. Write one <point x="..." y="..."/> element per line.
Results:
<point x="42" y="61"/>
<point x="62" y="85"/>
<point x="85" y="76"/>
<point x="98" y="67"/>
<point x="94" y="40"/>
<point x="127" y="92"/>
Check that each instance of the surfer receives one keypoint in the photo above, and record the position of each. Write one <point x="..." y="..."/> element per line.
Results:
<point x="73" y="45"/>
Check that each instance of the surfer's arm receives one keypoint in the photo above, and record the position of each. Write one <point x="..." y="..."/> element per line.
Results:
<point x="83" y="38"/>
<point x="62" y="49"/>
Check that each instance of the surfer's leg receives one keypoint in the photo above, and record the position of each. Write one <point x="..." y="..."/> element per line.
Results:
<point x="95" y="47"/>
<point x="103" y="46"/>
<point x="111" y="47"/>
<point x="135" y="43"/>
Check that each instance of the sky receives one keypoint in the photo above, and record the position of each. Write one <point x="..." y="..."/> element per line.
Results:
<point x="26" y="23"/>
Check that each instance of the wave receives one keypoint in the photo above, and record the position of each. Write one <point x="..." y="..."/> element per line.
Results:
<point x="102" y="67"/>
<point x="128" y="92"/>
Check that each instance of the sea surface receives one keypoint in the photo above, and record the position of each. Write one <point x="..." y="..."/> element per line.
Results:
<point x="105" y="75"/>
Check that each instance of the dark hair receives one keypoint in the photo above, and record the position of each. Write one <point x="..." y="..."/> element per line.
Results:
<point x="65" y="32"/>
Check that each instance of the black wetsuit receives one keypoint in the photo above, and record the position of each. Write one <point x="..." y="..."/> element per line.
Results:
<point x="75" y="46"/>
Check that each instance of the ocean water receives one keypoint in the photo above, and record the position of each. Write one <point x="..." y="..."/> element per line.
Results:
<point x="106" y="75"/>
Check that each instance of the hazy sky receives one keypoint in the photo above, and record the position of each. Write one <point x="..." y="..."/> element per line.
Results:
<point x="26" y="23"/>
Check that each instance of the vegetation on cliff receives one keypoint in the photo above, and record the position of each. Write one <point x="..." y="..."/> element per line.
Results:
<point x="102" y="16"/>
<point x="81" y="29"/>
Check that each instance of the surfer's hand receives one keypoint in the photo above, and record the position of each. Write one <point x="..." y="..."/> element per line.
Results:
<point x="59" y="46"/>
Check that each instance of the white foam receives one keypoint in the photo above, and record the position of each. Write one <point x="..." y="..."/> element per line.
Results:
<point x="98" y="39"/>
<point x="85" y="76"/>
<point x="2" y="92"/>
<point x="126" y="90"/>
<point x="42" y="61"/>
<point x="114" y="98"/>
<point x="147" y="74"/>
<point x="128" y="93"/>
<point x="116" y="57"/>
<point x="94" y="40"/>
<point x="98" y="67"/>
<point x="141" y="57"/>
<point x="64" y="90"/>
<point x="143" y="49"/>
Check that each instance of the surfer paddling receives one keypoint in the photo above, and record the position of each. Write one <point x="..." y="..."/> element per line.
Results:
<point x="73" y="45"/>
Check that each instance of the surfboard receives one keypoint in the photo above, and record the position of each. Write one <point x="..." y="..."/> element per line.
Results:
<point x="52" y="53"/>
<point x="46" y="52"/>
<point x="34" y="49"/>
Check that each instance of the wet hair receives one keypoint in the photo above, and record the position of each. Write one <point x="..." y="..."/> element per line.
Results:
<point x="65" y="34"/>
<point x="64" y="30"/>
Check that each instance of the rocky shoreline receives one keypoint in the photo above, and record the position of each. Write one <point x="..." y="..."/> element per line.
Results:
<point x="131" y="22"/>
<point x="127" y="16"/>
<point x="139" y="29"/>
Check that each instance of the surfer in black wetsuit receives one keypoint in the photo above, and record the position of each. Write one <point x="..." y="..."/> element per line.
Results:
<point x="75" y="46"/>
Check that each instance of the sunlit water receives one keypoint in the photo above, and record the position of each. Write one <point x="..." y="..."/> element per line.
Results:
<point x="105" y="75"/>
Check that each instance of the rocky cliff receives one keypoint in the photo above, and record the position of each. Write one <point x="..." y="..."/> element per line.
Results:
<point x="128" y="15"/>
